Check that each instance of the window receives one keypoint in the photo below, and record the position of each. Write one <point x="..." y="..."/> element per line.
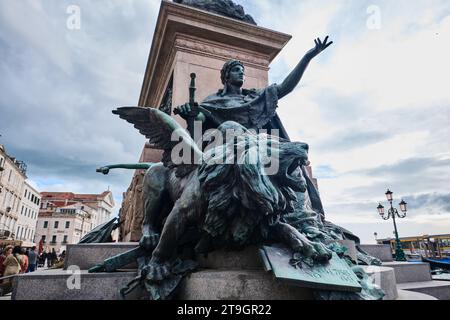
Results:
<point x="45" y="224"/>
<point x="43" y="238"/>
<point x="54" y="239"/>
<point x="68" y="211"/>
<point x="67" y="224"/>
<point x="56" y="225"/>
<point x="21" y="211"/>
<point x="25" y="193"/>
<point x="65" y="239"/>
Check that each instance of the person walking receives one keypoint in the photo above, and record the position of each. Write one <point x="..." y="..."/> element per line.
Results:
<point x="53" y="256"/>
<point x="23" y="253"/>
<point x="32" y="260"/>
<point x="48" y="257"/>
<point x="13" y="263"/>
<point x="2" y="259"/>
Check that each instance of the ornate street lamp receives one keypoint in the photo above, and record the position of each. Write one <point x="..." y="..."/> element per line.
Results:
<point x="393" y="212"/>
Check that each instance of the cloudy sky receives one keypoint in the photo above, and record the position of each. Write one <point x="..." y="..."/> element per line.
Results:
<point x="374" y="107"/>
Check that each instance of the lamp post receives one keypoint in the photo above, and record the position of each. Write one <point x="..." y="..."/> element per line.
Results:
<point x="393" y="212"/>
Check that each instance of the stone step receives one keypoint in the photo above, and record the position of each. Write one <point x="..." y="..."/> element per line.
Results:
<point x="85" y="256"/>
<point x="384" y="277"/>
<point x="202" y="285"/>
<point x="56" y="285"/>
<point x="247" y="259"/>
<point x="411" y="295"/>
<point x="410" y="271"/>
<point x="437" y="289"/>
<point x="380" y="251"/>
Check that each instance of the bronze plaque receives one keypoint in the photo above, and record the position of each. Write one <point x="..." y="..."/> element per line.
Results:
<point x="334" y="275"/>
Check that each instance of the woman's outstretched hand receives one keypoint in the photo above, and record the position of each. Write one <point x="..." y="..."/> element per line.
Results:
<point x="320" y="46"/>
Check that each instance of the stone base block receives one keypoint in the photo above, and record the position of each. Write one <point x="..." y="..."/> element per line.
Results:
<point x="437" y="289"/>
<point x="61" y="285"/>
<point x="380" y="251"/>
<point x="85" y="256"/>
<point x="385" y="278"/>
<point x="410" y="271"/>
<point x="411" y="295"/>
<point x="239" y="285"/>
<point x="248" y="259"/>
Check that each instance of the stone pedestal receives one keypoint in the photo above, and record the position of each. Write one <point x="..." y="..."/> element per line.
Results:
<point x="222" y="275"/>
<point x="87" y="255"/>
<point x="61" y="285"/>
<point x="237" y="275"/>
<point x="384" y="277"/>
<point x="239" y="285"/>
<point x="189" y="40"/>
<point x="380" y="251"/>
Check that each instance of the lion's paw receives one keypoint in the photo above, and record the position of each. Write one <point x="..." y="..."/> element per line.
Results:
<point x="155" y="271"/>
<point x="321" y="252"/>
<point x="310" y="249"/>
<point x="149" y="241"/>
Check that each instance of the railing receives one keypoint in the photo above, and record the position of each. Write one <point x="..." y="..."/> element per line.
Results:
<point x="11" y="276"/>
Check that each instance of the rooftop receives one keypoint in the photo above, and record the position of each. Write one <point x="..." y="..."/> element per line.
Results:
<point x="73" y="196"/>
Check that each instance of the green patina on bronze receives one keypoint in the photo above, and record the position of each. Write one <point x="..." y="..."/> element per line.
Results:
<point x="336" y="274"/>
<point x="203" y="207"/>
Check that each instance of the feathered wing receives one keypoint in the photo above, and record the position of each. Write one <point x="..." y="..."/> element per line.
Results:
<point x="162" y="130"/>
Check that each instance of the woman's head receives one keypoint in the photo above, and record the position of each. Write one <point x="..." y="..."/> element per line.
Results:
<point x="233" y="71"/>
<point x="8" y="250"/>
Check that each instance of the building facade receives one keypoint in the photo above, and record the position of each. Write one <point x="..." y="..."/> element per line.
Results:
<point x="430" y="246"/>
<point x="64" y="225"/>
<point x="64" y="217"/>
<point x="12" y="182"/>
<point x="28" y="216"/>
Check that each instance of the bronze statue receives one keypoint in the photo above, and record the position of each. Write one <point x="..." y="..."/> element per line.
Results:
<point x="232" y="103"/>
<point x="208" y="206"/>
<point x="254" y="109"/>
<point x="225" y="8"/>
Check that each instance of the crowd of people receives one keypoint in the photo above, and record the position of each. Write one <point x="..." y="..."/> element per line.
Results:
<point x="17" y="260"/>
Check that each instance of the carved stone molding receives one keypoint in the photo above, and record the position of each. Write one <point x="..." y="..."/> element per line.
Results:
<point x="209" y="48"/>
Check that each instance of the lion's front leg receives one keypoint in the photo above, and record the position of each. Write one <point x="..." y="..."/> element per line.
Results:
<point x="183" y="213"/>
<point x="154" y="188"/>
<point x="299" y="243"/>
